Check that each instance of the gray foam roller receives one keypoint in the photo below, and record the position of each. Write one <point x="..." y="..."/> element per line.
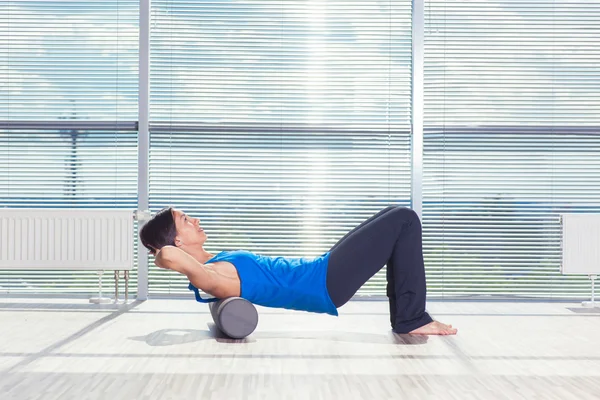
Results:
<point x="234" y="316"/>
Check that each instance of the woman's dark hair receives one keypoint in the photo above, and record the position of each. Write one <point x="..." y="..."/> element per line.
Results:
<point x="159" y="231"/>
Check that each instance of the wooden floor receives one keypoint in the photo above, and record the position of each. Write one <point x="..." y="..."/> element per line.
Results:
<point x="167" y="349"/>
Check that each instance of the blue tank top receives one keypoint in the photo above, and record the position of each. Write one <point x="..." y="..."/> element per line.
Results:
<point x="292" y="283"/>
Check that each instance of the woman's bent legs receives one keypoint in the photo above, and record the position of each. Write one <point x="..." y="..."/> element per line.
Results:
<point x="392" y="237"/>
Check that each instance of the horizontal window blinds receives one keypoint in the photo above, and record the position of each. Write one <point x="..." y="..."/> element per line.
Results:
<point x="282" y="125"/>
<point x="68" y="116"/>
<point x="512" y="139"/>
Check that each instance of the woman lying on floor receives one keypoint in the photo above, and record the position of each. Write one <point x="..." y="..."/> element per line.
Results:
<point x="391" y="237"/>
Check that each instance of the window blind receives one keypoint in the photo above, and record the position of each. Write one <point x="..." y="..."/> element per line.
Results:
<point x="68" y="116"/>
<point x="281" y="125"/>
<point x="511" y="140"/>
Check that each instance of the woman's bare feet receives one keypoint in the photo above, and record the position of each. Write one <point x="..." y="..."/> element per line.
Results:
<point x="434" y="328"/>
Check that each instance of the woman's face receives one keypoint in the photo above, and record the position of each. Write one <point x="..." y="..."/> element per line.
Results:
<point x="189" y="232"/>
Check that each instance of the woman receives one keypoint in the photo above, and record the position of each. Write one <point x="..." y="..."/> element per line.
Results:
<point x="323" y="284"/>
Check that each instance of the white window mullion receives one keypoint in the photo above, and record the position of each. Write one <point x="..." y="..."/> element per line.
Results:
<point x="418" y="48"/>
<point x="143" y="139"/>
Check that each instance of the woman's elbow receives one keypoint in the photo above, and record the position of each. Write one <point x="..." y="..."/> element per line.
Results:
<point x="206" y="282"/>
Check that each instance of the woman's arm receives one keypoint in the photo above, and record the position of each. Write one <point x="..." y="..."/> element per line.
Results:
<point x="173" y="258"/>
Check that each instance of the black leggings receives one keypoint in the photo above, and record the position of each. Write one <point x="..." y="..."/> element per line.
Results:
<point x="391" y="237"/>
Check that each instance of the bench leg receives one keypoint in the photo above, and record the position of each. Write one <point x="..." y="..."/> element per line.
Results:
<point x="116" y="286"/>
<point x="100" y="299"/>
<point x="100" y="273"/>
<point x="126" y="286"/>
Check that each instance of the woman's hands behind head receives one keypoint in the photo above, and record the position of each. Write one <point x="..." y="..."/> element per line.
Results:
<point x="176" y="259"/>
<point x="168" y="257"/>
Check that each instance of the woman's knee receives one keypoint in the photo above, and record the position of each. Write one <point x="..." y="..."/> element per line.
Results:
<point x="405" y="214"/>
<point x="387" y="209"/>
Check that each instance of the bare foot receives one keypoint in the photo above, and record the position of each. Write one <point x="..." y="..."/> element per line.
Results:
<point x="434" y="328"/>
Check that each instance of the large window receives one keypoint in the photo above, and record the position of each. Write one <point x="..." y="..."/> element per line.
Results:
<point x="512" y="139"/>
<point x="280" y="124"/>
<point x="68" y="116"/>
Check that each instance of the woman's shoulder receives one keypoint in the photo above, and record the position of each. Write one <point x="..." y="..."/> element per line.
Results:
<point x="234" y="253"/>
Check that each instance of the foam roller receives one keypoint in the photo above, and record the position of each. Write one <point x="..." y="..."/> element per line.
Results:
<point x="234" y="316"/>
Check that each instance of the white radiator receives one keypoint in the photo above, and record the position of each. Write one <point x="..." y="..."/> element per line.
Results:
<point x="580" y="244"/>
<point x="66" y="239"/>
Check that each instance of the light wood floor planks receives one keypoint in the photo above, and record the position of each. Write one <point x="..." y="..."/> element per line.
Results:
<point x="168" y="349"/>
